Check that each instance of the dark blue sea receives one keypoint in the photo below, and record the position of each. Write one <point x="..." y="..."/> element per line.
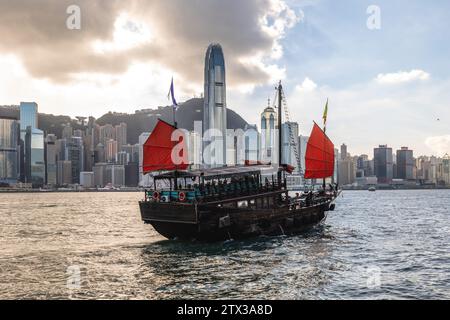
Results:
<point x="375" y="245"/>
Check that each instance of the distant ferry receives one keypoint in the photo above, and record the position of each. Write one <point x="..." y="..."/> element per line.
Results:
<point x="372" y="188"/>
<point x="233" y="202"/>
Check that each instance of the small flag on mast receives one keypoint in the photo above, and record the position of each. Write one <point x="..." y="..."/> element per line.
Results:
<point x="171" y="95"/>
<point x="325" y="114"/>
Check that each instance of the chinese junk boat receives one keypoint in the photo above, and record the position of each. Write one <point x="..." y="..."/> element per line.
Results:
<point x="233" y="202"/>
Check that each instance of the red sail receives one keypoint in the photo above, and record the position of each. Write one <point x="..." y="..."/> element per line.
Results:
<point x="158" y="150"/>
<point x="319" y="155"/>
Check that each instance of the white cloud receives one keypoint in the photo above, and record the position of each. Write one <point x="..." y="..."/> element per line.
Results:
<point x="402" y="77"/>
<point x="366" y="115"/>
<point x="307" y="85"/>
<point x="439" y="144"/>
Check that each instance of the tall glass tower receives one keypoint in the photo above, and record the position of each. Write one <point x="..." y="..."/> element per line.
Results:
<point x="215" y="108"/>
<point x="33" y="142"/>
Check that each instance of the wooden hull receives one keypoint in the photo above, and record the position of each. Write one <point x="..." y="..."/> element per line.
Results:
<point x="211" y="223"/>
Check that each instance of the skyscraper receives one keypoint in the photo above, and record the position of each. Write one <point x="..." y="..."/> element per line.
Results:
<point x="33" y="141"/>
<point x="106" y="132"/>
<point x="405" y="164"/>
<point x="9" y="150"/>
<point x="111" y="150"/>
<point x="75" y="154"/>
<point x="383" y="164"/>
<point x="51" y="160"/>
<point x="344" y="151"/>
<point x="268" y="130"/>
<point x="288" y="145"/>
<point x="121" y="135"/>
<point x="215" y="109"/>
<point x="28" y="117"/>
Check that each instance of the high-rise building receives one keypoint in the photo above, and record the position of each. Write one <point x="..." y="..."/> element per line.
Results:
<point x="115" y="174"/>
<point x="347" y="173"/>
<point x="121" y="135"/>
<point x="144" y="180"/>
<point x="215" y="108"/>
<point x="34" y="157"/>
<point x="122" y="158"/>
<point x="288" y="145"/>
<point x="383" y="164"/>
<point x="132" y="174"/>
<point x="9" y="150"/>
<point x="33" y="142"/>
<point x="111" y="150"/>
<point x="51" y="160"/>
<point x="99" y="153"/>
<point x="405" y="164"/>
<point x="64" y="175"/>
<point x="28" y="117"/>
<point x="302" y="144"/>
<point x="99" y="170"/>
<point x="269" y="127"/>
<point x="106" y="132"/>
<point x="133" y="152"/>
<point x="344" y="153"/>
<point x="75" y="154"/>
<point x="67" y="131"/>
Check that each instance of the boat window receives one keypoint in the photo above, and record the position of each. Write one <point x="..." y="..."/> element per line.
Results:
<point x="242" y="204"/>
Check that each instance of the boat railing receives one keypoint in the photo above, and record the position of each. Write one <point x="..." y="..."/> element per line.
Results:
<point x="210" y="192"/>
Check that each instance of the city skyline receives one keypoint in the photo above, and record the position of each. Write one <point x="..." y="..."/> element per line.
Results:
<point x="319" y="49"/>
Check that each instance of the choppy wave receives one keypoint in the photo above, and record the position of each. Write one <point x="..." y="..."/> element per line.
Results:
<point x="382" y="245"/>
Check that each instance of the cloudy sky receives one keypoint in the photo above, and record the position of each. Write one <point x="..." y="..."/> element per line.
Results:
<point x="386" y="85"/>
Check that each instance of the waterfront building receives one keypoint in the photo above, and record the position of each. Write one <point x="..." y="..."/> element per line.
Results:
<point x="347" y="172"/>
<point x="446" y="169"/>
<point x="87" y="179"/>
<point x="64" y="173"/>
<point x="75" y="154"/>
<point x="215" y="108"/>
<point x="144" y="180"/>
<point x="405" y="164"/>
<point x="9" y="150"/>
<point x="32" y="158"/>
<point x="28" y="117"/>
<point x="132" y="174"/>
<point x="51" y="160"/>
<point x="115" y="175"/>
<point x="99" y="170"/>
<point x="383" y="164"/>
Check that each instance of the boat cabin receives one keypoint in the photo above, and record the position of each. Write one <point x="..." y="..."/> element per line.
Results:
<point x="215" y="184"/>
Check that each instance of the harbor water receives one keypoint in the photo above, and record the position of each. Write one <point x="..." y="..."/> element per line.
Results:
<point x="375" y="245"/>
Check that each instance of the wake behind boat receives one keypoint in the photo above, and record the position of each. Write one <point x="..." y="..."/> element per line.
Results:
<point x="233" y="202"/>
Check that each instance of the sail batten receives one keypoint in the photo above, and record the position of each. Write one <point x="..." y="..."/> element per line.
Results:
<point x="319" y="158"/>
<point x="158" y="150"/>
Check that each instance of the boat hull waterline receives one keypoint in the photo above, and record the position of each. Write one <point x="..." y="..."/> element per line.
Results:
<point x="211" y="223"/>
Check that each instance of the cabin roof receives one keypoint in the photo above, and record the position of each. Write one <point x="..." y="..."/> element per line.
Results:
<point x="223" y="172"/>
